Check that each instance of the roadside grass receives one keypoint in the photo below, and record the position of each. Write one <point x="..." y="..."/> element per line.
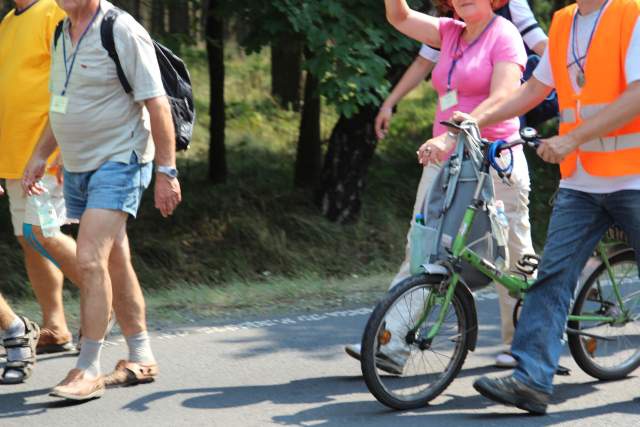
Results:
<point x="189" y="304"/>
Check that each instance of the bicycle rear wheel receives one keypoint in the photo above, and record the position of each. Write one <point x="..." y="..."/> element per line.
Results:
<point x="613" y="349"/>
<point x="403" y="374"/>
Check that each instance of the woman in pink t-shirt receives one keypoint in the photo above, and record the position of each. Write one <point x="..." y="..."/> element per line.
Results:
<point x="481" y="62"/>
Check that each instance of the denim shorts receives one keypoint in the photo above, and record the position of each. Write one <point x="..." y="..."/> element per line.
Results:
<point x="114" y="186"/>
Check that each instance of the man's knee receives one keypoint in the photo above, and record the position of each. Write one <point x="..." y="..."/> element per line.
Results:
<point x="90" y="263"/>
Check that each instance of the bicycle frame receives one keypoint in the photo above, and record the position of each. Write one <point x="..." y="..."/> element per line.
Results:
<point x="515" y="284"/>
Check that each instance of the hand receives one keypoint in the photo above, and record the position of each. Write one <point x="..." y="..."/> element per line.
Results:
<point x="554" y="150"/>
<point x="459" y="117"/>
<point x="382" y="122"/>
<point x="167" y="194"/>
<point x="1" y="191"/>
<point x="435" y="150"/>
<point x="32" y="174"/>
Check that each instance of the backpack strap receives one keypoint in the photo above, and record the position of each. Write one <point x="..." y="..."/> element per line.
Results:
<point x="108" y="42"/>
<point x="57" y="33"/>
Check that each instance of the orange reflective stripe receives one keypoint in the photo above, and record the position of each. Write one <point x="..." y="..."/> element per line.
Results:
<point x="612" y="164"/>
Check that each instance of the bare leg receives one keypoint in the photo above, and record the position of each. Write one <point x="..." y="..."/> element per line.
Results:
<point x="47" y="282"/>
<point x="128" y="301"/>
<point x="7" y="316"/>
<point x="99" y="230"/>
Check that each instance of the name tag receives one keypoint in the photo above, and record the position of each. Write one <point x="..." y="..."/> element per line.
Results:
<point x="449" y="100"/>
<point x="59" y="104"/>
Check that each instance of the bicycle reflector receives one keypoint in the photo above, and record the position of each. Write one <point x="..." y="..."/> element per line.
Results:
<point x="384" y="337"/>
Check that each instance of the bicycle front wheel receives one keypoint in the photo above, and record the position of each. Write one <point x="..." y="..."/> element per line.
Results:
<point x="401" y="368"/>
<point x="611" y="350"/>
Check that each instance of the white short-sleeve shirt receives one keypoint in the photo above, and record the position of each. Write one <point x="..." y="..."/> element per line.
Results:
<point x="102" y="122"/>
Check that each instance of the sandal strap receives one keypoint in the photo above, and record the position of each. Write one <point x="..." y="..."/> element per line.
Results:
<point x="24" y="369"/>
<point x="16" y="342"/>
<point x="18" y="364"/>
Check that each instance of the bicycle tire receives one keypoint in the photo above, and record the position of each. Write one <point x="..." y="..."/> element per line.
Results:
<point x="583" y="348"/>
<point x="370" y="370"/>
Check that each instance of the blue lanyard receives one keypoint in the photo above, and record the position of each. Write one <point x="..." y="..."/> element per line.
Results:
<point x="574" y="38"/>
<point x="458" y="56"/>
<point x="69" y="69"/>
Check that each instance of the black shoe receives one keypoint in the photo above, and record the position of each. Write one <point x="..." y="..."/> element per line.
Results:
<point x="509" y="391"/>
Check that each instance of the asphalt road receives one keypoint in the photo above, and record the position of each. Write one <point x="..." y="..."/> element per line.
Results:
<point x="293" y="371"/>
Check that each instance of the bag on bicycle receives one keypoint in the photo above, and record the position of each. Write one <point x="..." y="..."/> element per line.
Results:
<point x="444" y="207"/>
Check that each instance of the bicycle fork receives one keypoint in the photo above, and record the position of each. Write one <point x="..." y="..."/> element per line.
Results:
<point x="414" y="336"/>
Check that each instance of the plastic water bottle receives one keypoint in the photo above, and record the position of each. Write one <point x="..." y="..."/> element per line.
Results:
<point x="502" y="217"/>
<point x="420" y="219"/>
<point x="46" y="214"/>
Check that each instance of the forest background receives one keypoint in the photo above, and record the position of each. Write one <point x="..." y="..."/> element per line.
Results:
<point x="285" y="185"/>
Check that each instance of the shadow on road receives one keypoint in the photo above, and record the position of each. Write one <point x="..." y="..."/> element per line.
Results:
<point x="14" y="405"/>
<point x="325" y="396"/>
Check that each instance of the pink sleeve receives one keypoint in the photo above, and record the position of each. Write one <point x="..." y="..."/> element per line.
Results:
<point x="508" y="46"/>
<point x="447" y="27"/>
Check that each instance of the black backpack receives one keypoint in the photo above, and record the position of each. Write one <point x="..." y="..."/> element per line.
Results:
<point x="175" y="78"/>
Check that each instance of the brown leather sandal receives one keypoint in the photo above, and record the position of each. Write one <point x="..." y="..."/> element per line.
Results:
<point x="131" y="373"/>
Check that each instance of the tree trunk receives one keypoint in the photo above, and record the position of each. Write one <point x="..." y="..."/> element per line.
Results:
<point x="158" y="10"/>
<point x="309" y="155"/>
<point x="351" y="148"/>
<point x="214" y="30"/>
<point x="286" y="72"/>
<point x="179" y="17"/>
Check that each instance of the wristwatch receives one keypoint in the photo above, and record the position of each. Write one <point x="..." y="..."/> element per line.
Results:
<point x="171" y="172"/>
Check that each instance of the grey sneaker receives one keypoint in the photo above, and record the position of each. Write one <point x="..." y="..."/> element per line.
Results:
<point x="387" y="363"/>
<point x="509" y="391"/>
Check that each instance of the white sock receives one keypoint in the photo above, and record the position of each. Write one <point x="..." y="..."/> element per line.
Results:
<point x="140" y="348"/>
<point x="89" y="358"/>
<point x="15" y="330"/>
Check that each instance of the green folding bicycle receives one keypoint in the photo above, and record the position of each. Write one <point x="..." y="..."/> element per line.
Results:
<point x="430" y="319"/>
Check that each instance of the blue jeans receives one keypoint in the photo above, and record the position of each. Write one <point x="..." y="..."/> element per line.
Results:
<point x="578" y="222"/>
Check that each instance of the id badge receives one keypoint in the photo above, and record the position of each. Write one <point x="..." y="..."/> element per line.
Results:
<point x="449" y="100"/>
<point x="59" y="104"/>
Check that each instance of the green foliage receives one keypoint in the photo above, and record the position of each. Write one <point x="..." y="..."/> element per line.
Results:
<point x="349" y="44"/>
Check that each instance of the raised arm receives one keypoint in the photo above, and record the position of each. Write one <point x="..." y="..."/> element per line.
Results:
<point x="418" y="26"/>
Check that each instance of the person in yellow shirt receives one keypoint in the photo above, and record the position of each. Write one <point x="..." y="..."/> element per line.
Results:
<point x="26" y="35"/>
